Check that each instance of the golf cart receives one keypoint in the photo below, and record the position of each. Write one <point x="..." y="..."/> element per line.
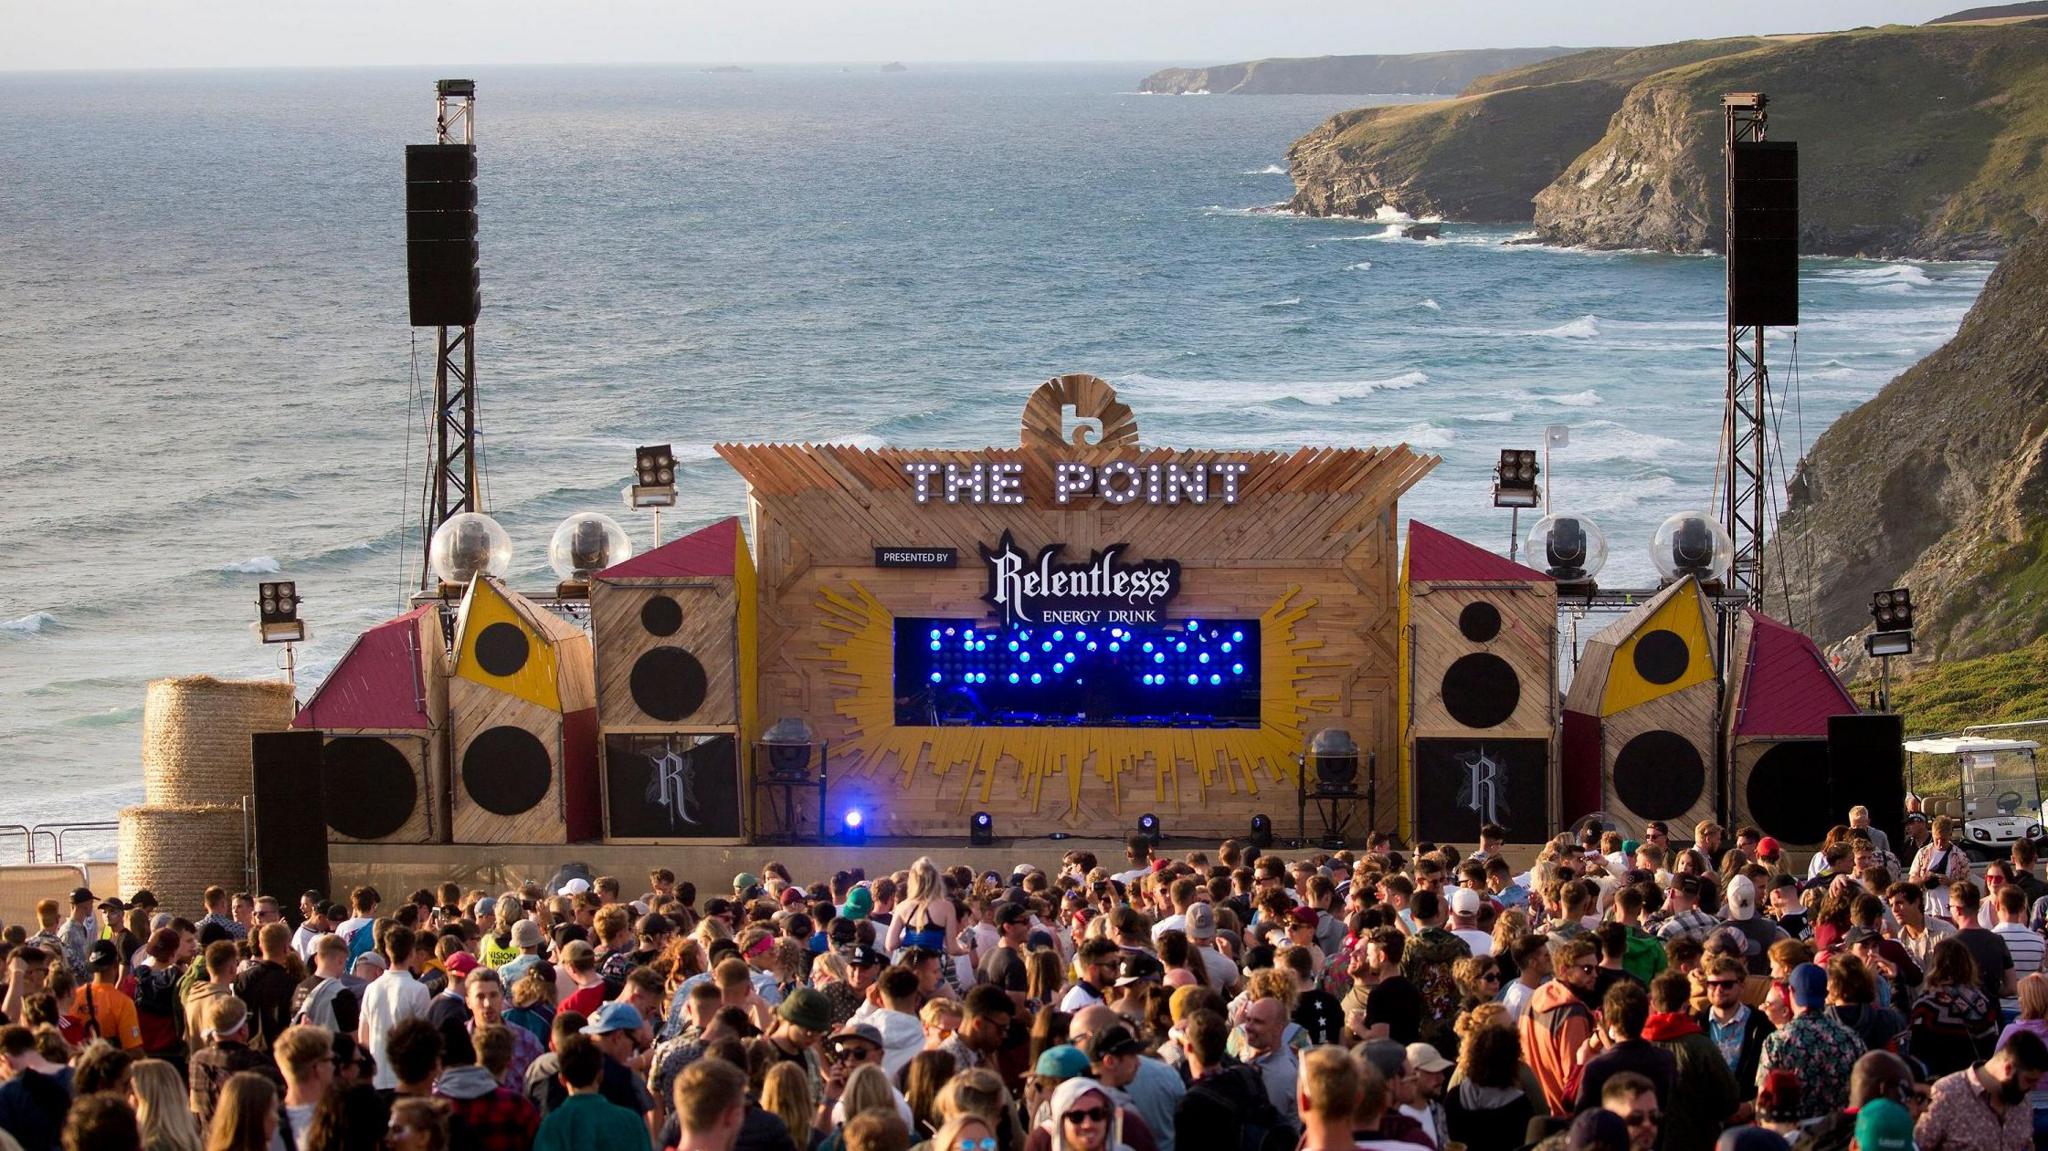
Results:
<point x="1994" y="797"/>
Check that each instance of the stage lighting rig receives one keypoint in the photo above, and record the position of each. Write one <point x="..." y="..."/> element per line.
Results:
<point x="981" y="830"/>
<point x="1514" y="479"/>
<point x="654" y="482"/>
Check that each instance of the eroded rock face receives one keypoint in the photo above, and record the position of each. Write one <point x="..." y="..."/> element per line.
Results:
<point x="1939" y="483"/>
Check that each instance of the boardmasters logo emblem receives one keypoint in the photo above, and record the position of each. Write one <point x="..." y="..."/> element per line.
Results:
<point x="1029" y="590"/>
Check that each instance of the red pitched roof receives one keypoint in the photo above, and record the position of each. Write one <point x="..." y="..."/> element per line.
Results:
<point x="1439" y="555"/>
<point x="1788" y="688"/>
<point x="380" y="684"/>
<point x="708" y="551"/>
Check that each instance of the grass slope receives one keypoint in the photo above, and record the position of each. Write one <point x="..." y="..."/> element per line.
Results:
<point x="2005" y="688"/>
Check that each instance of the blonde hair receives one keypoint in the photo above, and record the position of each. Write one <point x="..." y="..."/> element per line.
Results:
<point x="244" y="1109"/>
<point x="786" y="1093"/>
<point x="162" y="1109"/>
<point x="1272" y="983"/>
<point x="924" y="881"/>
<point x="935" y="1009"/>
<point x="867" y="1089"/>
<point x="1332" y="1080"/>
<point x="2033" y="996"/>
<point x="955" y="1130"/>
<point x="833" y="964"/>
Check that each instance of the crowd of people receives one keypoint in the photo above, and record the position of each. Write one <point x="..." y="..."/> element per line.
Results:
<point x="1618" y="995"/>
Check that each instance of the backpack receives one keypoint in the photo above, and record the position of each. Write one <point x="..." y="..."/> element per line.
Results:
<point x="156" y="991"/>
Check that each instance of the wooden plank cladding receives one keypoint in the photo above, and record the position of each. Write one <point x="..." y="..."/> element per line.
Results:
<point x="1302" y="542"/>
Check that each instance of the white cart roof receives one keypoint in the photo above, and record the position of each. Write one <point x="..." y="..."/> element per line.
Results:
<point x="1951" y="745"/>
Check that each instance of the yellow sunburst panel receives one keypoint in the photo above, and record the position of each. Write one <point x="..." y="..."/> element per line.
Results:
<point x="1682" y="614"/>
<point x="532" y="674"/>
<point x="862" y="672"/>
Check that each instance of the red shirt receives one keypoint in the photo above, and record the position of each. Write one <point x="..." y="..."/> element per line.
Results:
<point x="583" y="1001"/>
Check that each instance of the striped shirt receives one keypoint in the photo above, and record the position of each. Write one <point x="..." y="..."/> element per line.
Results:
<point x="2027" y="949"/>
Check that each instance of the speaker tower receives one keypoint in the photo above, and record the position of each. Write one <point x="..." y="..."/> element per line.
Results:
<point x="383" y="716"/>
<point x="521" y="709"/>
<point x="1781" y="696"/>
<point x="673" y="631"/>
<point x="1641" y="720"/>
<point x="1479" y="687"/>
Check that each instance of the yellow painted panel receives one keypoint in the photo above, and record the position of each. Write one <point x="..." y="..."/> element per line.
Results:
<point x="1684" y="614"/>
<point x="535" y="680"/>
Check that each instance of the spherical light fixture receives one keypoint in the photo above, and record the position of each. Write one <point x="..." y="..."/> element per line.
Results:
<point x="587" y="543"/>
<point x="1692" y="544"/>
<point x="1570" y="548"/>
<point x="469" y="545"/>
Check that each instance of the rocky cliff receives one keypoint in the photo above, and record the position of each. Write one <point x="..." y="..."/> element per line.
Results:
<point x="1484" y="155"/>
<point x="1423" y="72"/>
<point x="1921" y="142"/>
<point x="1940" y="484"/>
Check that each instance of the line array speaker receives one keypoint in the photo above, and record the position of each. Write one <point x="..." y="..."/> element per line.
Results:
<point x="1763" y="241"/>
<point x="443" y="283"/>
<point x="290" y="815"/>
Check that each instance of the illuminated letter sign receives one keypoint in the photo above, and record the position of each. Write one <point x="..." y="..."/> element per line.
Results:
<point x="1034" y="590"/>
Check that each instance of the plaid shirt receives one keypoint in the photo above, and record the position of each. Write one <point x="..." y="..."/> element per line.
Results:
<point x="235" y="930"/>
<point x="526" y="1048"/>
<point x="504" y="1120"/>
<point x="212" y="1067"/>
<point x="1690" y="924"/>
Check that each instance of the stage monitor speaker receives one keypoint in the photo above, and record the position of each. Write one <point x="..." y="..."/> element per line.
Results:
<point x="1763" y="241"/>
<point x="289" y="814"/>
<point x="1867" y="765"/>
<point x="443" y="285"/>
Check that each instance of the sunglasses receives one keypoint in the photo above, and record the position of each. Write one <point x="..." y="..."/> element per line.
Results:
<point x="1721" y="983"/>
<point x="983" y="1144"/>
<point x="1090" y="1115"/>
<point x="1491" y="977"/>
<point x="1645" y="1118"/>
<point x="842" y="1054"/>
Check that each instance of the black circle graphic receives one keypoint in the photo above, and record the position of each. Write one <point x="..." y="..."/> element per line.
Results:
<point x="661" y="615"/>
<point x="1661" y="656"/>
<point x="369" y="786"/>
<point x="501" y="649"/>
<point x="1659" y="775"/>
<point x="1479" y="622"/>
<point x="506" y="770"/>
<point x="1481" y="690"/>
<point x="1783" y="800"/>
<point x="667" y="683"/>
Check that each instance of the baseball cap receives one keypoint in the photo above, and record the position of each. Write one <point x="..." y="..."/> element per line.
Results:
<point x="112" y="903"/>
<point x="1809" y="986"/>
<point x="576" y="886"/>
<point x="864" y="956"/>
<point x="1136" y="967"/>
<point x="526" y="933"/>
<point x="1201" y="922"/>
<point x="370" y="959"/>
<point x="1859" y="934"/>
<point x="1010" y="913"/>
<point x="653" y="924"/>
<point x="1063" y="1062"/>
<point x="1750" y="1139"/>
<point x="1779" y="1096"/>
<point x="104" y="955"/>
<point x="1116" y="1039"/>
<point x="1883" y="1125"/>
<point x="1306" y="916"/>
<point x="807" y="1007"/>
<point x="858" y="903"/>
<point x="461" y="964"/>
<point x="1464" y="901"/>
<point x="144" y="897"/>
<point x="865" y="1032"/>
<point x="1767" y="848"/>
<point x="1741" y="898"/>
<point x="577" y="949"/>
<point x="744" y="880"/>
<point x="1425" y="1057"/>
<point x="488" y="905"/>
<point x="614" y="1016"/>
<point x="81" y="895"/>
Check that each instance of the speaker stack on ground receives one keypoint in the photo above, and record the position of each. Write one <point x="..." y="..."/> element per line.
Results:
<point x="1479" y="689"/>
<point x="524" y="723"/>
<point x="288" y="812"/>
<point x="675" y="679"/>
<point x="443" y="280"/>
<point x="1642" y="717"/>
<point x="1781" y="699"/>
<point x="382" y="714"/>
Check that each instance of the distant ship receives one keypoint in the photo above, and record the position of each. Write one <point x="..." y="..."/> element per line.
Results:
<point x="895" y="66"/>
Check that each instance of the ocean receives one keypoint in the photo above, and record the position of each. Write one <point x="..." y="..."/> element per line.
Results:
<point x="208" y="378"/>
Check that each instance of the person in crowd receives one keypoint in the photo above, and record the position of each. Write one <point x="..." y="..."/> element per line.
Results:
<point x="225" y="1055"/>
<point x="391" y="999"/>
<point x="1984" y="1108"/>
<point x="1953" y="1023"/>
<point x="1558" y="1024"/>
<point x="1327" y="1098"/>
<point x="1703" y="1095"/>
<point x="107" y="1011"/>
<point x="1812" y="1044"/>
<point x="585" y="1118"/>
<point x="246" y="1117"/>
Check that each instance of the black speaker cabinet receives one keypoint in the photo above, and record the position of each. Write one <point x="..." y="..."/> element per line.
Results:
<point x="1763" y="244"/>
<point x="289" y="814"/>
<point x="1867" y="765"/>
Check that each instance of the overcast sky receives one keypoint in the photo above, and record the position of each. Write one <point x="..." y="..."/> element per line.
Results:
<point x="39" y="34"/>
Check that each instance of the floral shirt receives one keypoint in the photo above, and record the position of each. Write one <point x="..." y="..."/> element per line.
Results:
<point x="1426" y="962"/>
<point x="1821" y="1052"/>
<point x="1960" y="1118"/>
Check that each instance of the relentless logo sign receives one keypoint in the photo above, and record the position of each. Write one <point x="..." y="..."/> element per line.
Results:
<point x="1027" y="590"/>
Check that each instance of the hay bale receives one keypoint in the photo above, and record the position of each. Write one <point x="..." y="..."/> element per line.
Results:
<point x="195" y="736"/>
<point x="178" y="850"/>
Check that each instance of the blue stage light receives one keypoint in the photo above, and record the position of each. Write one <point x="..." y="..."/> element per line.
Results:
<point x="1204" y="657"/>
<point x="1237" y="669"/>
<point x="1194" y="625"/>
<point x="935" y="645"/>
<point x="1013" y="645"/>
<point x="1058" y="667"/>
<point x="1014" y="677"/>
<point x="1237" y="637"/>
<point x="853" y="827"/>
<point x="1045" y="646"/>
<point x="1037" y="678"/>
<point x="938" y="677"/>
<point x="1180" y="647"/>
<point x="1148" y="645"/>
<point x="1059" y="635"/>
<point x="1159" y="657"/>
<point x="935" y="633"/>
<point x="1193" y="680"/>
<point x="1023" y="657"/>
<point x="1214" y="680"/>
<point x="1091" y="645"/>
<point x="1117" y="632"/>
<point x="1070" y="657"/>
<point x="1226" y="645"/>
<point x="1115" y="646"/>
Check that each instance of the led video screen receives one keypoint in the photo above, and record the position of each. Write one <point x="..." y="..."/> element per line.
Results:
<point x="1185" y="674"/>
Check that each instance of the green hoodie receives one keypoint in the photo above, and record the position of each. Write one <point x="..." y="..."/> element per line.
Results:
<point x="1645" y="957"/>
